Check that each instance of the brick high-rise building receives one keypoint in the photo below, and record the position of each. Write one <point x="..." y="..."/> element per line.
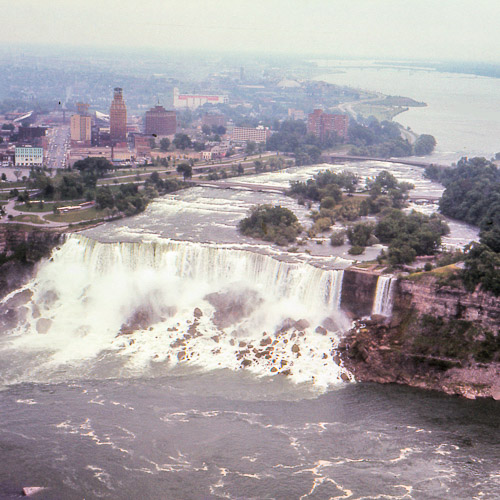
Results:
<point x="159" y="121"/>
<point x="324" y="125"/>
<point x="81" y="125"/>
<point x="118" y="117"/>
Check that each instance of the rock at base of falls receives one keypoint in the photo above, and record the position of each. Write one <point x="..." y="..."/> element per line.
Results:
<point x="29" y="491"/>
<point x="43" y="325"/>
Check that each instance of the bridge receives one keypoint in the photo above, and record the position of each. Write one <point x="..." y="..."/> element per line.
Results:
<point x="332" y="158"/>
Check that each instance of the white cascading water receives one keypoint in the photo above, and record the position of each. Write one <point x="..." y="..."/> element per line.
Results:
<point x="382" y="304"/>
<point x="100" y="310"/>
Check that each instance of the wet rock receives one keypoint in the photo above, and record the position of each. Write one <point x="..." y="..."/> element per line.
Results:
<point x="302" y="324"/>
<point x="216" y="338"/>
<point x="274" y="369"/>
<point x="336" y="359"/>
<point x="29" y="491"/>
<point x="266" y="341"/>
<point x="233" y="306"/>
<point x="283" y="363"/>
<point x="295" y="348"/>
<point x="43" y="325"/>
<point x="49" y="297"/>
<point x="286" y="325"/>
<point x="181" y="355"/>
<point x="344" y="377"/>
<point x="232" y="342"/>
<point x="321" y="330"/>
<point x="286" y="372"/>
<point x="19" y="299"/>
<point x="197" y="313"/>
<point x="330" y="325"/>
<point x="246" y="362"/>
<point x="242" y="344"/>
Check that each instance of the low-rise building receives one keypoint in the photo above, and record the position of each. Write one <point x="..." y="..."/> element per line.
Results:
<point x="244" y="134"/>
<point x="28" y="156"/>
<point x="193" y="101"/>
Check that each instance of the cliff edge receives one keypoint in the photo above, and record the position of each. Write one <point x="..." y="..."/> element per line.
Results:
<point x="439" y="337"/>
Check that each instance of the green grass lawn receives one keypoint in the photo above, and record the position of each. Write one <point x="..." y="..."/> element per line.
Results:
<point x="33" y="219"/>
<point x="79" y="215"/>
<point x="47" y="206"/>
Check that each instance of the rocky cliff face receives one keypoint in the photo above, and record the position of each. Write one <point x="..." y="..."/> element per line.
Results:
<point x="358" y="291"/>
<point x="20" y="249"/>
<point x="439" y="338"/>
<point x="426" y="297"/>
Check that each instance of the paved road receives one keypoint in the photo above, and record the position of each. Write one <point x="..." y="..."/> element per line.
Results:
<point x="10" y="210"/>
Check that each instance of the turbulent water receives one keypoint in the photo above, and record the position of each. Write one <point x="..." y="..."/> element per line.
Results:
<point x="166" y="356"/>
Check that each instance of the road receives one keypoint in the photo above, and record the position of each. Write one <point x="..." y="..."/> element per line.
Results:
<point x="58" y="146"/>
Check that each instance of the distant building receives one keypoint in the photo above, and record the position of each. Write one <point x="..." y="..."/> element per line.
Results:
<point x="28" y="156"/>
<point x="159" y="121"/>
<point x="193" y="101"/>
<point x="142" y="144"/>
<point x="213" y="119"/>
<point x="7" y="158"/>
<point x="81" y="125"/>
<point x="296" y="114"/>
<point x="118" y="117"/>
<point x="324" y="125"/>
<point x="30" y="134"/>
<point x="244" y="134"/>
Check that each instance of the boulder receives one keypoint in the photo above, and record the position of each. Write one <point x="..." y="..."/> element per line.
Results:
<point x="302" y="324"/>
<point x="43" y="325"/>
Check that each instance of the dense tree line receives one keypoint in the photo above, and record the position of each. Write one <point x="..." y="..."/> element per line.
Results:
<point x="472" y="195"/>
<point x="409" y="235"/>
<point x="383" y="140"/>
<point x="277" y="224"/>
<point x="327" y="187"/>
<point x="291" y="137"/>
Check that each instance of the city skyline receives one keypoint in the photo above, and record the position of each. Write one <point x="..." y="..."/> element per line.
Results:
<point x="409" y="29"/>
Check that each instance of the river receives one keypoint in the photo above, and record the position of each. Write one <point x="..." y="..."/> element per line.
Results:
<point x="462" y="110"/>
<point x="164" y="356"/>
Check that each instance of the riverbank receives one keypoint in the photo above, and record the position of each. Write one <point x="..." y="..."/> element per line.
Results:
<point x="439" y="338"/>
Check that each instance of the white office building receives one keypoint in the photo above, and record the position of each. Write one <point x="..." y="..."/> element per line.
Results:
<point x="29" y="156"/>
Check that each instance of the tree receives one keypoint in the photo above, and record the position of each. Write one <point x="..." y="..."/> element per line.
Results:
<point x="164" y="144"/>
<point x="182" y="141"/>
<point x="206" y="129"/>
<point x="186" y="170"/>
<point x="104" y="197"/>
<point x="482" y="266"/>
<point x="251" y="148"/>
<point x="424" y="145"/>
<point x="4" y="177"/>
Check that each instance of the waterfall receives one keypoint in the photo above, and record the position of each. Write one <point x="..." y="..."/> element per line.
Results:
<point x="125" y="308"/>
<point x="382" y="304"/>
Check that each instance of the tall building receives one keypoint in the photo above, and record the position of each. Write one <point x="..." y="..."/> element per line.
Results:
<point x="118" y="117"/>
<point x="159" y="121"/>
<point x="324" y="125"/>
<point x="81" y="125"/>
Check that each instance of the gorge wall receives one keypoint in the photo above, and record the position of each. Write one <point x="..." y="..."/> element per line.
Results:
<point x="439" y="337"/>
<point x="20" y="248"/>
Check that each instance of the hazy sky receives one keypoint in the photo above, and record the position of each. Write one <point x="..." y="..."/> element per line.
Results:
<point x="414" y="29"/>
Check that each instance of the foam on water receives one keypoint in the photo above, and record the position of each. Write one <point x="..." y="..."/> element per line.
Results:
<point x="132" y="309"/>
